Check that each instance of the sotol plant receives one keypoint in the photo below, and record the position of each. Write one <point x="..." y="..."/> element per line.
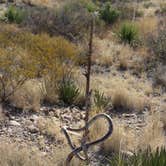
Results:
<point x="128" y="33"/>
<point x="68" y="91"/>
<point x="109" y="14"/>
<point x="146" y="158"/>
<point x="100" y="100"/>
<point x="15" y="15"/>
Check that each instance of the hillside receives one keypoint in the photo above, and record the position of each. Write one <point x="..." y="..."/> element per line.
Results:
<point x="44" y="50"/>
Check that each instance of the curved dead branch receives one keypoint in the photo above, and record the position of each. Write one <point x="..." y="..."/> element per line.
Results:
<point x="76" y="150"/>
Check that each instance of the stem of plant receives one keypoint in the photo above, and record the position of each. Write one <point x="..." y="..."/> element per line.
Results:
<point x="88" y="91"/>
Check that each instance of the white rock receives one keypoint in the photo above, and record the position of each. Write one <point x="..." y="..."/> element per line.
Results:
<point x="14" y="123"/>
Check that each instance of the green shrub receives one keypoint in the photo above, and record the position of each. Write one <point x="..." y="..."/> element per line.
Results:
<point x="109" y="14"/>
<point x="15" y="15"/>
<point x="100" y="100"/>
<point x="146" y="158"/>
<point x="68" y="91"/>
<point x="128" y="33"/>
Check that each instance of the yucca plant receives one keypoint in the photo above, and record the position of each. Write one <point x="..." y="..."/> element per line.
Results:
<point x="128" y="33"/>
<point x="146" y="158"/>
<point x="109" y="14"/>
<point x="100" y="100"/>
<point x="15" y="15"/>
<point x="68" y="91"/>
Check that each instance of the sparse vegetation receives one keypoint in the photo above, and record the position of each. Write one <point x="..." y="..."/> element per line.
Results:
<point x="44" y="46"/>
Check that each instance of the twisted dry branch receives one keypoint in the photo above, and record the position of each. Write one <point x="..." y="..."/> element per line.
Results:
<point x="77" y="150"/>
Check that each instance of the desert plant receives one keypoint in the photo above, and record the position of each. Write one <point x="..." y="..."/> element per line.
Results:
<point x="142" y="158"/>
<point x="128" y="33"/>
<point x="15" y="15"/>
<point x="68" y="91"/>
<point x="100" y="100"/>
<point x="109" y="14"/>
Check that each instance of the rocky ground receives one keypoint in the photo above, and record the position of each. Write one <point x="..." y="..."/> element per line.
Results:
<point x="24" y="128"/>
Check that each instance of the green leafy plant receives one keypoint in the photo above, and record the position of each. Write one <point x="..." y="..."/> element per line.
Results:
<point x="15" y="15"/>
<point x="128" y="33"/>
<point x="68" y="91"/>
<point x="100" y="100"/>
<point x="146" y="158"/>
<point x="109" y="14"/>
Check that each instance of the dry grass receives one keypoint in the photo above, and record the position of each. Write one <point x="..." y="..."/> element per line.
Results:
<point x="104" y="52"/>
<point x="124" y="57"/>
<point x="2" y="116"/>
<point x="14" y="155"/>
<point x="147" y="25"/>
<point x="29" y="96"/>
<point x="60" y="155"/>
<point x="152" y="134"/>
<point x="50" y="127"/>
<point x="125" y="139"/>
<point x="127" y="101"/>
<point x="38" y="2"/>
<point x="126" y="92"/>
<point x="160" y="76"/>
<point x="122" y="139"/>
<point x="110" y="53"/>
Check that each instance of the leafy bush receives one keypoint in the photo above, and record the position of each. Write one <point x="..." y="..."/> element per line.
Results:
<point x="128" y="33"/>
<point x="68" y="91"/>
<point x="15" y="15"/>
<point x="158" y="45"/>
<point x="109" y="14"/>
<point x="100" y="100"/>
<point x="146" y="158"/>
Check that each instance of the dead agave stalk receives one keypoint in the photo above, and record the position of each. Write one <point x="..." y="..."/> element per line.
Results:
<point x="88" y="91"/>
<point x="84" y="145"/>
